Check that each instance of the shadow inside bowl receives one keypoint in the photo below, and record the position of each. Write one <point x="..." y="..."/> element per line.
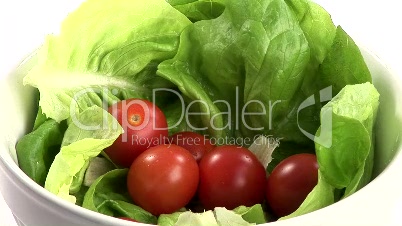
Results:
<point x="388" y="129"/>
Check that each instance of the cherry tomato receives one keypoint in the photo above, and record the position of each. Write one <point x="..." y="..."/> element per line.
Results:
<point x="195" y="143"/>
<point x="163" y="179"/>
<point x="127" y="219"/>
<point x="144" y="126"/>
<point x="290" y="182"/>
<point x="231" y="176"/>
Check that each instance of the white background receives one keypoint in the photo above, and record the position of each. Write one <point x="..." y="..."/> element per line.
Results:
<point x="375" y="24"/>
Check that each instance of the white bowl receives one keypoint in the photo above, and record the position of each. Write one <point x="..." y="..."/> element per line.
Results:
<point x="378" y="203"/>
<point x="375" y="204"/>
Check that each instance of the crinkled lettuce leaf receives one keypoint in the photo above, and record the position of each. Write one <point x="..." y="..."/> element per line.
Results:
<point x="316" y="24"/>
<point x="353" y="113"/>
<point x="40" y="119"/>
<point x="253" y="214"/>
<point x="343" y="64"/>
<point x="78" y="178"/>
<point x="203" y="219"/>
<point x="335" y="61"/>
<point x="108" y="195"/>
<point x="220" y="216"/>
<point x="196" y="10"/>
<point x="106" y="51"/>
<point x="92" y="130"/>
<point x="169" y="219"/>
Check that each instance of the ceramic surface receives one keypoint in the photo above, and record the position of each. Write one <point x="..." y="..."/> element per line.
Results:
<point x="379" y="203"/>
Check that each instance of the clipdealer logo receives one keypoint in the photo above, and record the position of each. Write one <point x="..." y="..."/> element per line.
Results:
<point x="323" y="137"/>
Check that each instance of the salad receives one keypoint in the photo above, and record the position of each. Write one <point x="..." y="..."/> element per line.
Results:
<point x="196" y="112"/>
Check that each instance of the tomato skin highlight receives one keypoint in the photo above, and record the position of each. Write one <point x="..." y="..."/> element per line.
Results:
<point x="163" y="179"/>
<point x="195" y="143"/>
<point x="290" y="182"/>
<point x="231" y="176"/>
<point x="144" y="126"/>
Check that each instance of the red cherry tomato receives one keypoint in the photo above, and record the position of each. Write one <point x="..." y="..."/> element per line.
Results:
<point x="290" y="182"/>
<point x="127" y="219"/>
<point x="195" y="143"/>
<point x="231" y="176"/>
<point x="163" y="179"/>
<point x="144" y="126"/>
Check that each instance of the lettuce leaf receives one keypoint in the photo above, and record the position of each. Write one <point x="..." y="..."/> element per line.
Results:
<point x="343" y="64"/>
<point x="317" y="26"/>
<point x="220" y="216"/>
<point x="353" y="113"/>
<point x="106" y="51"/>
<point x="226" y="217"/>
<point x="197" y="10"/>
<point x="202" y="219"/>
<point x="169" y="219"/>
<point x="335" y="61"/>
<point x="84" y="139"/>
<point x="37" y="150"/>
<point x="253" y="214"/>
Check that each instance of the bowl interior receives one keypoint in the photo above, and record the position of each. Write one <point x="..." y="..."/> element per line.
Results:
<point x="20" y="102"/>
<point x="388" y="131"/>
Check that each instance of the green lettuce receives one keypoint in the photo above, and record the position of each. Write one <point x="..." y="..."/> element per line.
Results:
<point x="40" y="119"/>
<point x="197" y="10"/>
<point x="320" y="85"/>
<point x="317" y="26"/>
<point x="202" y="219"/>
<point x="335" y="61"/>
<point x="170" y="219"/>
<point x="106" y="51"/>
<point x="37" y="150"/>
<point x="254" y="214"/>
<point x="343" y="64"/>
<point x="78" y="178"/>
<point x="348" y="162"/>
<point x="93" y="130"/>
<point x="220" y="216"/>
